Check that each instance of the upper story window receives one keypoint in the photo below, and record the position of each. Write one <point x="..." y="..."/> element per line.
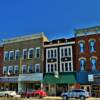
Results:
<point x="82" y="64"/>
<point x="16" y="69"/>
<point x="11" y="55"/>
<point x="66" y="51"/>
<point x="93" y="63"/>
<point x="5" y="70"/>
<point x="10" y="70"/>
<point x="24" y="69"/>
<point x="52" y="53"/>
<point x="37" y="53"/>
<point x="82" y="47"/>
<point x="6" y="55"/>
<point x="37" y="68"/>
<point x="30" y="68"/>
<point x="92" y="45"/>
<point x="17" y="54"/>
<point x="51" y="67"/>
<point x="66" y="66"/>
<point x="24" y="53"/>
<point x="30" y="53"/>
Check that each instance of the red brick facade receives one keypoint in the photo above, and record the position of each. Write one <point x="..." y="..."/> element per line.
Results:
<point x="87" y="54"/>
<point x="1" y="60"/>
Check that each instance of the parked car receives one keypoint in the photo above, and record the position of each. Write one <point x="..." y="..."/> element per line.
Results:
<point x="40" y="93"/>
<point x="28" y="93"/>
<point x="7" y="93"/>
<point x="34" y="93"/>
<point x="76" y="93"/>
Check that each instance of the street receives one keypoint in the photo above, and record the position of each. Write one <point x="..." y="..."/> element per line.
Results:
<point x="45" y="98"/>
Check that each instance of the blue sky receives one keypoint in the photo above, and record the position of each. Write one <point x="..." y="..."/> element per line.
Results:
<point x="57" y="18"/>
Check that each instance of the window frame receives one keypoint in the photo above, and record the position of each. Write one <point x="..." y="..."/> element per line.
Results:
<point x="30" y="53"/>
<point x="36" y="69"/>
<point x="17" y="51"/>
<point x="5" y="55"/>
<point x="37" y="48"/>
<point x="23" y="53"/>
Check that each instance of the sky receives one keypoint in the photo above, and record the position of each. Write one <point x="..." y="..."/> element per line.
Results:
<point x="56" y="18"/>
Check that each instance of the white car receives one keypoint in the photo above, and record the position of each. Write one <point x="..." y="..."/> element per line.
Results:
<point x="7" y="93"/>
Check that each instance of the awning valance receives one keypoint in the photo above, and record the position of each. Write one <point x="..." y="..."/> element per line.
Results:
<point x="64" y="78"/>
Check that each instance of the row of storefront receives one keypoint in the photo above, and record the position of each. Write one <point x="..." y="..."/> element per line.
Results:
<point x="54" y="85"/>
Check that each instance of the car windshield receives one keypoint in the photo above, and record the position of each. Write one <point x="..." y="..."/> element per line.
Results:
<point x="30" y="90"/>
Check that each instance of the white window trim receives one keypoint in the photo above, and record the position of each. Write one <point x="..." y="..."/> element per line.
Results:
<point x="10" y="67"/>
<point x="36" y="52"/>
<point x="4" y="68"/>
<point x="29" y="52"/>
<point x="50" y="52"/>
<point x="15" y="53"/>
<point x="53" y="67"/>
<point x="23" y="68"/>
<point x="71" y="61"/>
<point x="39" y="68"/>
<point x="29" y="67"/>
<point x="67" y="51"/>
<point x="68" y="66"/>
<point x="23" y="53"/>
<point x="5" y="52"/>
<point x="15" y="68"/>
<point x="10" y="54"/>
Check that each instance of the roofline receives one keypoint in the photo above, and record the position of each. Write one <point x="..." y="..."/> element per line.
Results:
<point x="59" y="44"/>
<point x="24" y="38"/>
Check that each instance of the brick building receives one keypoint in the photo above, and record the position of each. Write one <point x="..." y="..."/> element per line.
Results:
<point x="87" y="43"/>
<point x="23" y="62"/>
<point x="59" y="73"/>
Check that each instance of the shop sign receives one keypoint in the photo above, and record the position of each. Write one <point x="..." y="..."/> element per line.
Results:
<point x="9" y="79"/>
<point x="90" y="78"/>
<point x="31" y="77"/>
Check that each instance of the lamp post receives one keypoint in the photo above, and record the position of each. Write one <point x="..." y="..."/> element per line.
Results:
<point x="56" y="75"/>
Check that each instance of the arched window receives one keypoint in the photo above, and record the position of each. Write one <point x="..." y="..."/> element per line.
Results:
<point x="93" y="63"/>
<point x="92" y="45"/>
<point x="82" y="64"/>
<point x="82" y="47"/>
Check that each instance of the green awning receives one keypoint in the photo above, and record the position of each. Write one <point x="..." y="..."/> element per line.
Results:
<point x="64" y="78"/>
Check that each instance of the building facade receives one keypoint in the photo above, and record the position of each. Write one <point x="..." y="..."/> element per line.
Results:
<point x="87" y="43"/>
<point x="59" y="65"/>
<point x="23" y="62"/>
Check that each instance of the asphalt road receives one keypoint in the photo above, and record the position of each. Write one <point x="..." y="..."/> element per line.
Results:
<point x="47" y="98"/>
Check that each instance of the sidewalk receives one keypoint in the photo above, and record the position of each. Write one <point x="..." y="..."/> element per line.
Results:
<point x="59" y="98"/>
<point x="52" y="98"/>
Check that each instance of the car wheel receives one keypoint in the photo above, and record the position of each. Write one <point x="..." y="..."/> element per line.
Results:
<point x="37" y="96"/>
<point x="82" y="98"/>
<point x="6" y="95"/>
<point x="65" y="98"/>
